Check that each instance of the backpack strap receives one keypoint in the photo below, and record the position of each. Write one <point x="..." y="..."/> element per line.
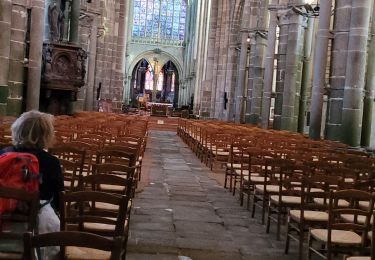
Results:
<point x="44" y="203"/>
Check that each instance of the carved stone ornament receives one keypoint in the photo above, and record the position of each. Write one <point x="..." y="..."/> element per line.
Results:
<point x="63" y="66"/>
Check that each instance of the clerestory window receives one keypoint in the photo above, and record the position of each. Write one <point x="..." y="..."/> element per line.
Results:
<point x="159" y="21"/>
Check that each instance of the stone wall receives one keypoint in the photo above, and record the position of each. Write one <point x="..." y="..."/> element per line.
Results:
<point x="13" y="24"/>
<point x="104" y="20"/>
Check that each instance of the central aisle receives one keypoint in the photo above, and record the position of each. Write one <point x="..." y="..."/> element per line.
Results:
<point x="183" y="212"/>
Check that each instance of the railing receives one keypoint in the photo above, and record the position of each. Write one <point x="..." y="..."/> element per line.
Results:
<point x="156" y="41"/>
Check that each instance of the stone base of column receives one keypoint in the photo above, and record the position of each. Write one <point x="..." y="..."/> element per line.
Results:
<point x="4" y="93"/>
<point x="14" y="107"/>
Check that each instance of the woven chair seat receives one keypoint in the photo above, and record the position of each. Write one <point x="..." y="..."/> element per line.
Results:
<point x="309" y="215"/>
<point x="286" y="199"/>
<point x="363" y="204"/>
<point x="311" y="190"/>
<point x="107" y="206"/>
<point x="350" y="218"/>
<point x="10" y="256"/>
<point x="359" y="258"/>
<point x="269" y="188"/>
<point x="256" y="178"/>
<point x="342" y="203"/>
<point x="234" y="166"/>
<point x="83" y="253"/>
<point x="222" y="153"/>
<point x="339" y="237"/>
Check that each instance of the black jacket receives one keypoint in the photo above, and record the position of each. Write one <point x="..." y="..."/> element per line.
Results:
<point x="52" y="178"/>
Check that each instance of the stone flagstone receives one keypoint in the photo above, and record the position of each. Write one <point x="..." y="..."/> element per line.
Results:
<point x="183" y="212"/>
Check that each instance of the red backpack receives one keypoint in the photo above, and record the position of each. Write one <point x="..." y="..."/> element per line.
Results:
<point x="19" y="171"/>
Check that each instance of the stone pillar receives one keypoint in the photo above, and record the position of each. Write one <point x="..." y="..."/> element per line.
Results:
<point x="91" y="65"/>
<point x="74" y="22"/>
<point x="293" y="72"/>
<point x="269" y="70"/>
<point x="127" y="89"/>
<point x="355" y="73"/>
<point x="256" y="71"/>
<point x="223" y="45"/>
<point x="320" y="62"/>
<point x="306" y="74"/>
<point x="35" y="55"/>
<point x="118" y="54"/>
<point x="341" y="28"/>
<point x="368" y="106"/>
<point x="240" y="93"/>
<point x="281" y="67"/>
<point x="16" y="62"/>
<point x="5" y="24"/>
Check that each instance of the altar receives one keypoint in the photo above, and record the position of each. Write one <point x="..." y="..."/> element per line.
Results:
<point x="159" y="109"/>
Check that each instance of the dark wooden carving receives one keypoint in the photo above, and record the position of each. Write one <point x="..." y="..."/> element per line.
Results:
<point x="63" y="66"/>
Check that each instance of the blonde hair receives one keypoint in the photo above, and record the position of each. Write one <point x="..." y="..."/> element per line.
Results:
<point x="33" y="129"/>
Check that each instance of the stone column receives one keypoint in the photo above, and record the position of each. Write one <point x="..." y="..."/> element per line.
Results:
<point x="256" y="71"/>
<point x="219" y="14"/>
<point x="35" y="55"/>
<point x="240" y="93"/>
<point x="269" y="70"/>
<point x="118" y="54"/>
<point x="341" y="28"/>
<point x="74" y="22"/>
<point x="223" y="43"/>
<point x="306" y="74"/>
<point x="293" y="72"/>
<point x="281" y="67"/>
<point x="5" y="24"/>
<point x="91" y="65"/>
<point x="127" y="89"/>
<point x="320" y="63"/>
<point x="368" y="106"/>
<point x="355" y="73"/>
<point x="16" y="62"/>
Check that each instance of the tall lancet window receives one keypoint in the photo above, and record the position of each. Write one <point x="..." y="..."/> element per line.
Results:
<point x="159" y="21"/>
<point x="160" y="81"/>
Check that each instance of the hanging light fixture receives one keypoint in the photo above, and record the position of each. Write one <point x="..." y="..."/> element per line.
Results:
<point x="248" y="38"/>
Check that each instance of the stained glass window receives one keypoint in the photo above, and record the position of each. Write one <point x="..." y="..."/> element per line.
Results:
<point x="149" y="80"/>
<point x="160" y="81"/>
<point x="159" y="19"/>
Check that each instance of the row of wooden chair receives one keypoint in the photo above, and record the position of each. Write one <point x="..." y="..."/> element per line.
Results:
<point x="281" y="172"/>
<point x="101" y="168"/>
<point x="95" y="210"/>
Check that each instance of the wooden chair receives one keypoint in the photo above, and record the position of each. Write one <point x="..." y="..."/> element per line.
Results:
<point x="372" y="248"/>
<point x="342" y="236"/>
<point x="252" y="172"/>
<point x="14" y="224"/>
<point x="90" y="154"/>
<point x="288" y="196"/>
<point x="113" y="155"/>
<point x="270" y="185"/>
<point x="126" y="187"/>
<point x="98" y="246"/>
<point x="70" y="171"/>
<point x="113" y="183"/>
<point x="312" y="212"/>
<point x="71" y="153"/>
<point x="219" y="149"/>
<point x="79" y="213"/>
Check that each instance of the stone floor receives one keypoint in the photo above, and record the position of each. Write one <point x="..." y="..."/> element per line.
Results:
<point x="182" y="210"/>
